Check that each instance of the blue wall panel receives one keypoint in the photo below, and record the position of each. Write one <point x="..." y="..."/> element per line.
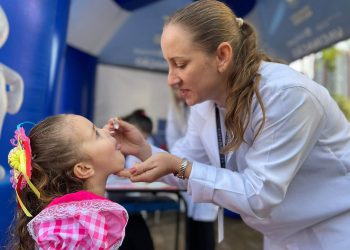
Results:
<point x="34" y="49"/>
<point x="76" y="93"/>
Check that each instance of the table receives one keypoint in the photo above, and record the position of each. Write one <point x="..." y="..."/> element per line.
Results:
<point x="156" y="203"/>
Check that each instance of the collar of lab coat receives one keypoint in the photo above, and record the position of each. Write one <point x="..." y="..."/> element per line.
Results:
<point x="208" y="132"/>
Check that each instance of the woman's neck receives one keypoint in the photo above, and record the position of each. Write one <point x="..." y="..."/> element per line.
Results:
<point x="221" y="97"/>
<point x="221" y="102"/>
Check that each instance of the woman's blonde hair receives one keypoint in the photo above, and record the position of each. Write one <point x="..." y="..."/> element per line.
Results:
<point x="55" y="151"/>
<point x="210" y="23"/>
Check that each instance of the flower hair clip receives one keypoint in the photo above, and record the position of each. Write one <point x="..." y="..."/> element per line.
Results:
<point x="20" y="159"/>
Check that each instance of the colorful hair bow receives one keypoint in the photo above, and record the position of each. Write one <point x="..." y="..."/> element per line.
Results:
<point x="20" y="159"/>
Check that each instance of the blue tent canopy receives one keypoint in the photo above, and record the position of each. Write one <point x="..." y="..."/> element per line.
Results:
<point x="127" y="32"/>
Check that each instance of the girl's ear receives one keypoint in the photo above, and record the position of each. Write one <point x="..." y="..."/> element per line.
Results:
<point x="223" y="56"/>
<point x="83" y="170"/>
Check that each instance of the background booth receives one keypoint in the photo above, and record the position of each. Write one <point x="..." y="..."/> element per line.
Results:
<point x="102" y="58"/>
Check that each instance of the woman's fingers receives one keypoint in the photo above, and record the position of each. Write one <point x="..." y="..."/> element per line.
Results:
<point x="124" y="126"/>
<point x="109" y="127"/>
<point x="140" y="172"/>
<point x="138" y="168"/>
<point x="130" y="140"/>
<point x="153" y="168"/>
<point x="124" y="173"/>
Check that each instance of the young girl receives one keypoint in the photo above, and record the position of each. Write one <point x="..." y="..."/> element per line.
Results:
<point x="60" y="175"/>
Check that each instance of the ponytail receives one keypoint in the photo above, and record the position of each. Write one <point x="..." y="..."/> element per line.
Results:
<point x="242" y="85"/>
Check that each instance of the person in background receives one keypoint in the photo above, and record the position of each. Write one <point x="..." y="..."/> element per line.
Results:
<point x="177" y="116"/>
<point x="200" y="216"/>
<point x="263" y="140"/>
<point x="59" y="173"/>
<point x="143" y="122"/>
<point x="138" y="236"/>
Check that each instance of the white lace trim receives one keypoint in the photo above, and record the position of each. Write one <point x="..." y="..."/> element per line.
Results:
<point x="69" y="209"/>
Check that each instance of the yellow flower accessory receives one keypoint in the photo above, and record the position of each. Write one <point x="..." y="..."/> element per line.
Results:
<point x="20" y="159"/>
<point x="16" y="159"/>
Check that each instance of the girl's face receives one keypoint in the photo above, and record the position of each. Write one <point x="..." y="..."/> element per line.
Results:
<point x="99" y="146"/>
<point x="194" y="72"/>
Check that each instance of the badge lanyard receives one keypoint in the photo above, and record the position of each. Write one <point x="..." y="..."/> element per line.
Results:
<point x="219" y="135"/>
<point x="223" y="165"/>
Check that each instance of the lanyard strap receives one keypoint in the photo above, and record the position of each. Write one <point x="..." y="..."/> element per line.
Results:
<point x="223" y="165"/>
<point x="219" y="135"/>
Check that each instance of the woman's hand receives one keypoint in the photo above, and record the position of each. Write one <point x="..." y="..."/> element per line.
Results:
<point x="130" y="140"/>
<point x="124" y="173"/>
<point x="154" y="167"/>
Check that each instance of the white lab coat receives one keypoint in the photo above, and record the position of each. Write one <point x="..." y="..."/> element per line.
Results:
<point x="292" y="183"/>
<point x="176" y="128"/>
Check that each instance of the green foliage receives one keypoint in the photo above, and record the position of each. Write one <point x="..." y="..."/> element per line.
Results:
<point x="329" y="56"/>
<point x="344" y="104"/>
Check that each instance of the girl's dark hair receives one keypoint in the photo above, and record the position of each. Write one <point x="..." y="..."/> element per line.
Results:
<point x="211" y="23"/>
<point x="55" y="151"/>
<point x="141" y="120"/>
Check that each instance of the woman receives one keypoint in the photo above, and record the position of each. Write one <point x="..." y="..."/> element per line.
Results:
<point x="286" y="157"/>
